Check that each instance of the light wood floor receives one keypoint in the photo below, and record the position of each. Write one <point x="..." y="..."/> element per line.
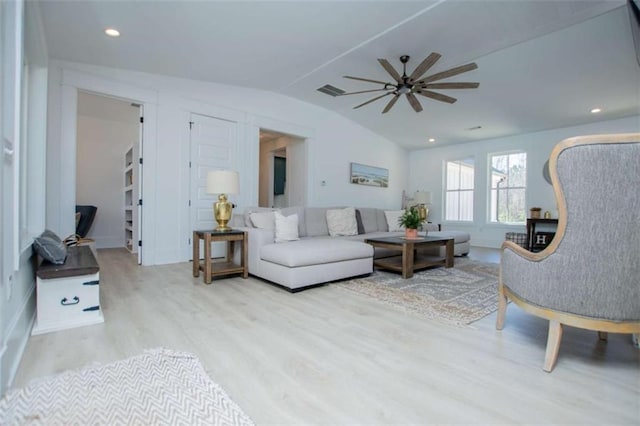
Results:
<point x="328" y="356"/>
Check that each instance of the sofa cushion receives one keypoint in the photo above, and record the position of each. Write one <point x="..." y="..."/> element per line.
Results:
<point x="381" y="220"/>
<point x="299" y="210"/>
<point x="249" y="210"/>
<point x="286" y="227"/>
<point x="315" y="251"/>
<point x="359" y="224"/>
<point x="392" y="220"/>
<point x="342" y="222"/>
<point x="263" y="220"/>
<point x="369" y="219"/>
<point x="458" y="236"/>
<point x="316" y="221"/>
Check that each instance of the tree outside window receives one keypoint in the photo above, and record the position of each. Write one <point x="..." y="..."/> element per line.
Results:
<point x="508" y="187"/>
<point x="459" y="190"/>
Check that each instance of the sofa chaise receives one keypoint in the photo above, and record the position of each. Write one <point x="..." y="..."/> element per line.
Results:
<point x="313" y="256"/>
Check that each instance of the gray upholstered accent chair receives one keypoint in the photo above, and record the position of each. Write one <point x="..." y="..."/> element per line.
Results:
<point x="589" y="276"/>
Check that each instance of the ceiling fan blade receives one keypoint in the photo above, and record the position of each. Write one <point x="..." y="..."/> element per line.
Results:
<point x="414" y="102"/>
<point x="424" y="66"/>
<point x="363" y="91"/>
<point x="390" y="104"/>
<point x="450" y="73"/>
<point x="451" y="85"/>
<point x="387" y="66"/>
<point x="371" y="100"/>
<point x="365" y="79"/>
<point x="437" y="96"/>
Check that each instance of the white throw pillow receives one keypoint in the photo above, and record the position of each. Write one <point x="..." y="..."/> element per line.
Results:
<point x="342" y="222"/>
<point x="286" y="227"/>
<point x="392" y="220"/>
<point x="263" y="220"/>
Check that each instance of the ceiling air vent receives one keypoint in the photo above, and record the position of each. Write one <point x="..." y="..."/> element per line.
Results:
<point x="331" y="90"/>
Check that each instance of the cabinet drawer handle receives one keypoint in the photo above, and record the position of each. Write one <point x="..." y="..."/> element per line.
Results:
<point x="96" y="282"/>
<point x="91" y="308"/>
<point x="65" y="301"/>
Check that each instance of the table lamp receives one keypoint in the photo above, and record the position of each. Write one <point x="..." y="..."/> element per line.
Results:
<point x="420" y="200"/>
<point x="222" y="182"/>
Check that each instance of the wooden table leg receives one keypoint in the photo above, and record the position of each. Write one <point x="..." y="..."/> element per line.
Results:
<point x="245" y="264"/>
<point x="207" y="258"/>
<point x="448" y="261"/>
<point x="231" y="247"/>
<point x="407" y="260"/>
<point x="196" y="254"/>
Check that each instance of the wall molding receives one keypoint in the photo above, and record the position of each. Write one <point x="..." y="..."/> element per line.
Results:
<point x="16" y="338"/>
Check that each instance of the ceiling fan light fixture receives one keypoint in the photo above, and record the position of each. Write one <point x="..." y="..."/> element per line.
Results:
<point x="415" y="83"/>
<point x="112" y="32"/>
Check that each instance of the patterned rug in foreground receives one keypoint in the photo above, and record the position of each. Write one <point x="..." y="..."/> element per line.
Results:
<point x="459" y="295"/>
<point x="159" y="387"/>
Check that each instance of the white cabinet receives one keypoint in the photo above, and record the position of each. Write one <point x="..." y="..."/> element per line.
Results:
<point x="131" y="199"/>
<point x="64" y="303"/>
<point x="68" y="295"/>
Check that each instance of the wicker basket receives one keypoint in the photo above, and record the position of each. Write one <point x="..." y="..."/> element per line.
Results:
<point x="535" y="212"/>
<point x="520" y="238"/>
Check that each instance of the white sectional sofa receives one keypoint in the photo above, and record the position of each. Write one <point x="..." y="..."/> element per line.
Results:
<point x="316" y="257"/>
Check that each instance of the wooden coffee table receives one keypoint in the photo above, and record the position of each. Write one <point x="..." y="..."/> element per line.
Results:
<point x="410" y="259"/>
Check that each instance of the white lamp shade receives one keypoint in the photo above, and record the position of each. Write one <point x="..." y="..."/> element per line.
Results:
<point x="422" y="197"/>
<point x="223" y="182"/>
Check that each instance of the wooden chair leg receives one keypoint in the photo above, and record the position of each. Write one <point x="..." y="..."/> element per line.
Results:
<point x="502" y="309"/>
<point x="603" y="335"/>
<point x="553" y="345"/>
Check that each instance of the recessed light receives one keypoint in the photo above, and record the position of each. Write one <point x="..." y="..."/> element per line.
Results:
<point x="112" y="32"/>
<point x="432" y="140"/>
<point x="595" y="110"/>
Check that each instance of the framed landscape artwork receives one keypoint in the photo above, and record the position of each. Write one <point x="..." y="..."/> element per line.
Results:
<point x="368" y="175"/>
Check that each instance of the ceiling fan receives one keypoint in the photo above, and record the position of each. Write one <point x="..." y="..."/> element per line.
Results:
<point x="414" y="83"/>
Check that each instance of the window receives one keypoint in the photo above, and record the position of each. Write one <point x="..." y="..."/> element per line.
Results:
<point x="459" y="193"/>
<point x="508" y="187"/>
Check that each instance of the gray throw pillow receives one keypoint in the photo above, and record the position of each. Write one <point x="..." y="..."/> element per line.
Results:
<point x="359" y="223"/>
<point x="50" y="249"/>
<point x="50" y="234"/>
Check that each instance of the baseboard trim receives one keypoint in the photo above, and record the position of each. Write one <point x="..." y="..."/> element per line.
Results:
<point x="17" y="338"/>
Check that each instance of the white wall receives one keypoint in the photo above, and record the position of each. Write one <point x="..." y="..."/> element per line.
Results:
<point x="101" y="147"/>
<point x="332" y="142"/>
<point x="427" y="173"/>
<point x="23" y="124"/>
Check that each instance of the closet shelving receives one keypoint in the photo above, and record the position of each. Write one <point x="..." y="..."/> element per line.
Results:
<point x="130" y="200"/>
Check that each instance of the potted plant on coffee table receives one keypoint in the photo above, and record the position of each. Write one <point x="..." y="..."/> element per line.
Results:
<point x="411" y="221"/>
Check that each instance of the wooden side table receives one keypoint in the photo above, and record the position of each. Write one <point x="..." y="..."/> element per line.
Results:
<point x="225" y="267"/>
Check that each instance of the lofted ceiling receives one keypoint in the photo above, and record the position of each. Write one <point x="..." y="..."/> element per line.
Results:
<point x="541" y="64"/>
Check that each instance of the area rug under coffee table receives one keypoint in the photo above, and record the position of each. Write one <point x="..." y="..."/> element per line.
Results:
<point x="159" y="387"/>
<point x="459" y="295"/>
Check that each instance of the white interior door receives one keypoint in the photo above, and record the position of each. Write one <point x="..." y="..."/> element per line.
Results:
<point x="213" y="144"/>
<point x="139" y="180"/>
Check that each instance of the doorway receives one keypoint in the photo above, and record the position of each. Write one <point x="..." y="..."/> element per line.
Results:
<point x="282" y="170"/>
<point x="108" y="169"/>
